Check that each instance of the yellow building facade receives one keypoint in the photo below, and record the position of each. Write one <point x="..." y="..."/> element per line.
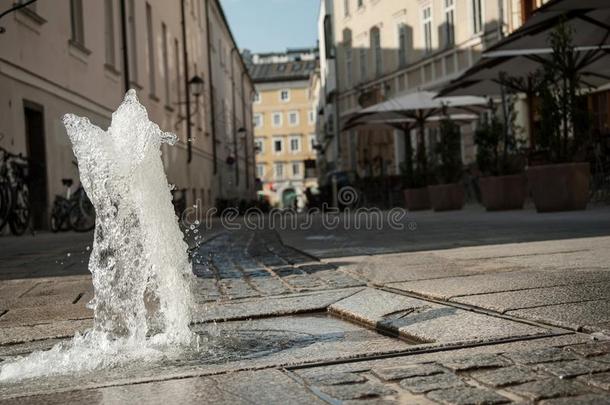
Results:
<point x="284" y="132"/>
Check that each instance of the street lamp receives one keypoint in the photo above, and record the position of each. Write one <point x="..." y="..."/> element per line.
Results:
<point x="196" y="85"/>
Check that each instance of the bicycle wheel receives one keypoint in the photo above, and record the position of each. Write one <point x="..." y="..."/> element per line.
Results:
<point x="5" y="204"/>
<point x="80" y="216"/>
<point x="19" y="219"/>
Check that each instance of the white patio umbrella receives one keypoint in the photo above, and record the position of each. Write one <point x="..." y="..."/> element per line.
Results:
<point x="414" y="110"/>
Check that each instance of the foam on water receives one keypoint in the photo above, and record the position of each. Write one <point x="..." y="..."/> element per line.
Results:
<point x="139" y="262"/>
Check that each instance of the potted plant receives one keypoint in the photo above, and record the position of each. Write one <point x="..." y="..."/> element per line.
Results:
<point x="502" y="183"/>
<point x="448" y="194"/>
<point x="562" y="182"/>
<point x="415" y="177"/>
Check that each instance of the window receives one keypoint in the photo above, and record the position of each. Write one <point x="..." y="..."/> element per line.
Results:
<point x="363" y="61"/>
<point x="376" y="47"/>
<point x="277" y="119"/>
<point x="477" y="16"/>
<point x="311" y="117"/>
<point x="347" y="43"/>
<point x="260" y="171"/>
<point x="296" y="169"/>
<point x="259" y="146"/>
<point x="279" y="171"/>
<point x="427" y="28"/>
<point x="133" y="45"/>
<point x="346" y="8"/>
<point x="295" y="144"/>
<point x="360" y="3"/>
<point x="284" y="95"/>
<point x="312" y="142"/>
<point x="449" y="22"/>
<point x="402" y="45"/>
<point x="76" y="20"/>
<point x="293" y="118"/>
<point x="278" y="145"/>
<point x="109" y="32"/>
<point x="151" y="50"/>
<point x="257" y="97"/>
<point x="168" y="101"/>
<point x="258" y="120"/>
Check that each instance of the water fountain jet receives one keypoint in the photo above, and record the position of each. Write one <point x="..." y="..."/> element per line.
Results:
<point x="139" y="263"/>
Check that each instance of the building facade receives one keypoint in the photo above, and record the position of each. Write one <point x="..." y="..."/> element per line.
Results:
<point x="284" y="129"/>
<point x="70" y="56"/>
<point x="377" y="49"/>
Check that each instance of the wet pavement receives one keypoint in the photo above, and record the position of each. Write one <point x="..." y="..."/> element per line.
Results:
<point x="512" y="322"/>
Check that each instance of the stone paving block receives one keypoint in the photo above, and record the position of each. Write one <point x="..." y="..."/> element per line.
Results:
<point x="475" y="362"/>
<point x="565" y="369"/>
<point x="59" y="329"/>
<point x="444" y="324"/>
<point x="370" y="306"/>
<point x="575" y="316"/>
<point x="45" y="314"/>
<point x="237" y="288"/>
<point x="419" y="385"/>
<point x="337" y="379"/>
<point x="590" y="349"/>
<point x="548" y="388"/>
<point x="39" y="301"/>
<point x="544" y="355"/>
<point x="301" y="282"/>
<point x="60" y="287"/>
<point x="603" y="358"/>
<point x="357" y="391"/>
<point x="269" y="285"/>
<point x="511" y="300"/>
<point x="505" y="376"/>
<point x="589" y="399"/>
<point x="379" y="401"/>
<point x="600" y="380"/>
<point x="446" y="288"/>
<point x="467" y="396"/>
<point x="338" y="279"/>
<point x="10" y="289"/>
<point x="407" y="371"/>
<point x="266" y="306"/>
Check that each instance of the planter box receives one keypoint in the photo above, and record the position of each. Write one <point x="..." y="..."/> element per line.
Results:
<point x="417" y="199"/>
<point x="503" y="192"/>
<point x="445" y="197"/>
<point x="559" y="187"/>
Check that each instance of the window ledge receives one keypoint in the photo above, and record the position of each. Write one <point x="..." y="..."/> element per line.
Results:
<point x="78" y="50"/>
<point x="32" y="15"/>
<point x="170" y="109"/>
<point x="154" y="98"/>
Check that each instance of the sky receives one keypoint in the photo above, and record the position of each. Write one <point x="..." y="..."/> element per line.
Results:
<point x="272" y="25"/>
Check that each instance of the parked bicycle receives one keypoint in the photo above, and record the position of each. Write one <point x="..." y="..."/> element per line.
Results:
<point x="14" y="192"/>
<point x="74" y="211"/>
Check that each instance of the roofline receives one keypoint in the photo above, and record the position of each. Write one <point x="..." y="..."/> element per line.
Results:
<point x="226" y="23"/>
<point x="282" y="79"/>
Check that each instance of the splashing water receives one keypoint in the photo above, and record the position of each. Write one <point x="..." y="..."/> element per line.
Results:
<point x="139" y="262"/>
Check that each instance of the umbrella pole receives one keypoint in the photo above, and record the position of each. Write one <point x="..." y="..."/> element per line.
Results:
<point x="421" y="146"/>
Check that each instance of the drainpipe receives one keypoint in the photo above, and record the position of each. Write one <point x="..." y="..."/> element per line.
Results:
<point x="189" y="146"/>
<point x="210" y="90"/>
<point x="243" y="120"/>
<point x="127" y="81"/>
<point x="235" y="151"/>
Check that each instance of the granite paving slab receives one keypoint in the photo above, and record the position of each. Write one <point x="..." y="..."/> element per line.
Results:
<point x="589" y="316"/>
<point x="247" y="387"/>
<point x="272" y="306"/>
<point x="426" y="321"/>
<point x="30" y="316"/>
<point x="511" y="300"/>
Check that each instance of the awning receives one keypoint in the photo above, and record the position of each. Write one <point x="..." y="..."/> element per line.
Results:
<point x="523" y="52"/>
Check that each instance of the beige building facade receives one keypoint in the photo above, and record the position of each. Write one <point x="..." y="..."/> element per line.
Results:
<point x="378" y="49"/>
<point x="284" y="129"/>
<point x="67" y="56"/>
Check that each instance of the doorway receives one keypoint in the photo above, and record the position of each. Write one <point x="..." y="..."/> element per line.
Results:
<point x="36" y="153"/>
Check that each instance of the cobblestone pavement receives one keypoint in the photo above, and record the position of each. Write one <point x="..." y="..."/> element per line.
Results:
<point x="505" y="323"/>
